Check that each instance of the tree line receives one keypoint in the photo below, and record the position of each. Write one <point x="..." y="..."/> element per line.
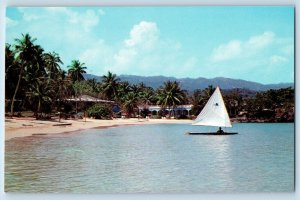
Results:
<point x="35" y="81"/>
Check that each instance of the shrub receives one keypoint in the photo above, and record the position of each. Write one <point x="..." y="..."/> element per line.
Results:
<point x="99" y="111"/>
<point x="145" y="112"/>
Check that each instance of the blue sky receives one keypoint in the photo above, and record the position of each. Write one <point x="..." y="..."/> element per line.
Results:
<point x="250" y="43"/>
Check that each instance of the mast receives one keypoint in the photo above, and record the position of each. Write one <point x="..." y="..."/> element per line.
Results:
<point x="214" y="112"/>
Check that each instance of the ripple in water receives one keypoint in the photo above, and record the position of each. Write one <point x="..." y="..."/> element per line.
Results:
<point x="153" y="159"/>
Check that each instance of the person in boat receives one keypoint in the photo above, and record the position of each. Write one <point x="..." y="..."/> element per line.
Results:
<point x="220" y="131"/>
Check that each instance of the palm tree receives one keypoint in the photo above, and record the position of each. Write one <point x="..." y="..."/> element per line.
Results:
<point x="62" y="83"/>
<point x="41" y="95"/>
<point x="64" y="89"/>
<point x="136" y="88"/>
<point x="233" y="102"/>
<point x="123" y="88"/>
<point x="208" y="92"/>
<point x="146" y="96"/>
<point x="25" y="50"/>
<point x="52" y="62"/>
<point x="36" y="69"/>
<point x="11" y="69"/>
<point x="110" y="84"/>
<point x="76" y="69"/>
<point x="9" y="57"/>
<point x="85" y="87"/>
<point x="198" y="101"/>
<point x="94" y="85"/>
<point x="170" y="95"/>
<point x="130" y="102"/>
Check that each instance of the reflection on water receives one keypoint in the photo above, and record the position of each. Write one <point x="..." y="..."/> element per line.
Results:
<point x="153" y="158"/>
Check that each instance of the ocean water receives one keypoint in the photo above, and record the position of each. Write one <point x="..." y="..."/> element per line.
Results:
<point x="154" y="159"/>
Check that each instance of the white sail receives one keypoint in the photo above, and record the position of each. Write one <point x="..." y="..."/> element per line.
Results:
<point x="214" y="112"/>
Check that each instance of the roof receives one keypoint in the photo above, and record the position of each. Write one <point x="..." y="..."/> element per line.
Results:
<point x="158" y="107"/>
<point x="87" y="98"/>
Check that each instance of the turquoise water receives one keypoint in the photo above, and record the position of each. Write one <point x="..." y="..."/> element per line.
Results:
<point x="153" y="159"/>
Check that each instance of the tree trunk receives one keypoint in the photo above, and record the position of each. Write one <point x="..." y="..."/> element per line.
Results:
<point x="16" y="90"/>
<point x="38" y="109"/>
<point x="174" y="114"/>
<point x="76" y="106"/>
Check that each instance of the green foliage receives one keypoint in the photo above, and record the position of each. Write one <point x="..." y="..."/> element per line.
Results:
<point x="130" y="102"/>
<point x="35" y="81"/>
<point x="233" y="101"/>
<point x="197" y="100"/>
<point x="170" y="94"/>
<point x="40" y="95"/>
<point x="76" y="69"/>
<point x="52" y="63"/>
<point x="272" y="105"/>
<point x="109" y="85"/>
<point x="29" y="59"/>
<point x="32" y="76"/>
<point x="147" y="96"/>
<point x="99" y="111"/>
<point x="12" y="69"/>
<point x="145" y="112"/>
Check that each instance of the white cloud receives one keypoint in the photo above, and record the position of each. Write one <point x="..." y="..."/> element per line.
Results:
<point x="190" y="63"/>
<point x="276" y="59"/>
<point x="97" y="57"/>
<point x="10" y="22"/>
<point x="88" y="19"/>
<point x="101" y="12"/>
<point x="144" y="52"/>
<point x="70" y="30"/>
<point x="143" y="38"/>
<point x="30" y="14"/>
<point x="76" y="33"/>
<point x="288" y="50"/>
<point x="227" y="51"/>
<point x="236" y="48"/>
<point x="125" y="56"/>
<point x="57" y="10"/>
<point x="144" y="34"/>
<point x="263" y="54"/>
<point x="132" y="52"/>
<point x="261" y="41"/>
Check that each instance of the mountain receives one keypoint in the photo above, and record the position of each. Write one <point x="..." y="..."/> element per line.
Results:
<point x="191" y="84"/>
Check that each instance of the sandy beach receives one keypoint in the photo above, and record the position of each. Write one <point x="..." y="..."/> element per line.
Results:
<point x="21" y="127"/>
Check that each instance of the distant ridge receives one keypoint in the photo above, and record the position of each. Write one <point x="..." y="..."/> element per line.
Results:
<point x="191" y="84"/>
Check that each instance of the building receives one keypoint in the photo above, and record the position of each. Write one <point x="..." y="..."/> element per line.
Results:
<point x="155" y="110"/>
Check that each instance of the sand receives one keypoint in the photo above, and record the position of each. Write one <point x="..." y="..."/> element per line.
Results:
<point x="22" y="127"/>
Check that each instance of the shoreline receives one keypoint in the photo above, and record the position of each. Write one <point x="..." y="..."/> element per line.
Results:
<point x="23" y="127"/>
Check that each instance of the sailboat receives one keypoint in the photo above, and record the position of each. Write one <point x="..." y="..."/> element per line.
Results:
<point x="215" y="114"/>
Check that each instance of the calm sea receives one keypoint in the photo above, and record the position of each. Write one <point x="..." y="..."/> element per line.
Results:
<point x="153" y="159"/>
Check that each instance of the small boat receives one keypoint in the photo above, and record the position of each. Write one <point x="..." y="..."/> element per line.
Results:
<point x="211" y="133"/>
<point x="215" y="114"/>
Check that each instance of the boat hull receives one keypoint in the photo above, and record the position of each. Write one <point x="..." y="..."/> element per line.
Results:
<point x="212" y="133"/>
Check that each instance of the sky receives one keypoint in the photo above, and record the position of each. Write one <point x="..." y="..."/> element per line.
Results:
<point x="250" y="43"/>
